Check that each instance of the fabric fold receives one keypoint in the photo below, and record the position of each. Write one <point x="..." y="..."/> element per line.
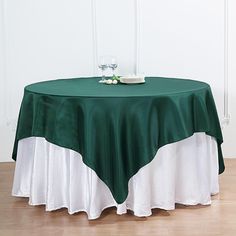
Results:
<point x="184" y="172"/>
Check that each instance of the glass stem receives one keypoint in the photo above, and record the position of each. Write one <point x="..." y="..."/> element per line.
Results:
<point x="103" y="75"/>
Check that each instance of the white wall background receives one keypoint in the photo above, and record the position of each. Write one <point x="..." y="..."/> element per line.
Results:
<point x="229" y="146"/>
<point x="49" y="39"/>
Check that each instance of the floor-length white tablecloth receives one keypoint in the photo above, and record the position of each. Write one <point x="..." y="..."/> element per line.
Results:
<point x="184" y="172"/>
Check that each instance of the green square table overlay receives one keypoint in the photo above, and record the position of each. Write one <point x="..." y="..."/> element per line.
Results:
<point x="117" y="129"/>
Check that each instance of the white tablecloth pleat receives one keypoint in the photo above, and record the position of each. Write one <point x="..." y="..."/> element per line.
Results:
<point x="184" y="172"/>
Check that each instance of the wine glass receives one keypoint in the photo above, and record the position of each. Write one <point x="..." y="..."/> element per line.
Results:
<point x="113" y="65"/>
<point x="103" y="64"/>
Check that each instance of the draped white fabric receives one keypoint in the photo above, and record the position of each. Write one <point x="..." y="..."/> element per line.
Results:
<point x="184" y="172"/>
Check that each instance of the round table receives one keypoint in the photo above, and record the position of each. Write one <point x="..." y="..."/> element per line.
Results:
<point x="117" y="129"/>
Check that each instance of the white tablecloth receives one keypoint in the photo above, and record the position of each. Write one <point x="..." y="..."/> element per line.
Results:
<point x="184" y="172"/>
